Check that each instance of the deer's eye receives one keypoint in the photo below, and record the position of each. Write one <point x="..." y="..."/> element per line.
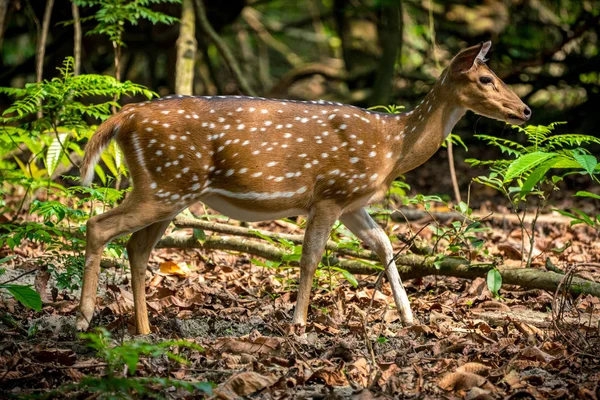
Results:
<point x="485" y="79"/>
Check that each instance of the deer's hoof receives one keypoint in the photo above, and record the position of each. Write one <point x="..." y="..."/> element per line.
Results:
<point x="82" y="324"/>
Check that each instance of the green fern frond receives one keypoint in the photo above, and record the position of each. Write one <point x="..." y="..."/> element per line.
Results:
<point x="505" y="145"/>
<point x="560" y="141"/>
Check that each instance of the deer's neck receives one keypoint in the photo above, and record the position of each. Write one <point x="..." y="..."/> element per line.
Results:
<point x="423" y="130"/>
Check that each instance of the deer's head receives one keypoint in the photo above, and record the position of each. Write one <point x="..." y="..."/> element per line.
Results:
<point x="478" y="89"/>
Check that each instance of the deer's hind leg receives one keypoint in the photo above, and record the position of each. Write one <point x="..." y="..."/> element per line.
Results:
<point x="139" y="247"/>
<point x="135" y="213"/>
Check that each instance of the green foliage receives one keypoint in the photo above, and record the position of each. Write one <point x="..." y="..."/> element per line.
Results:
<point x="537" y="168"/>
<point x="112" y="15"/>
<point x="61" y="99"/>
<point x="399" y="188"/>
<point x="580" y="217"/>
<point x="23" y="294"/>
<point x="65" y="106"/>
<point x="543" y="153"/>
<point x="126" y="357"/>
<point x="460" y="238"/>
<point x="129" y="353"/>
<point x="456" y="140"/>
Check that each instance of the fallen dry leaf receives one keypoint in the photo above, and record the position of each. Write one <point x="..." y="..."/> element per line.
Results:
<point x="243" y="384"/>
<point x="533" y="353"/>
<point x="259" y="346"/>
<point x="477" y="393"/>
<point x="173" y="268"/>
<point x="40" y="283"/>
<point x="463" y="381"/>
<point x="474" y="368"/>
<point x="331" y="375"/>
<point x="358" y="371"/>
<point x="513" y="380"/>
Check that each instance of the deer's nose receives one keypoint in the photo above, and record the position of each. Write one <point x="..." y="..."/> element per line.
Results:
<point x="527" y="112"/>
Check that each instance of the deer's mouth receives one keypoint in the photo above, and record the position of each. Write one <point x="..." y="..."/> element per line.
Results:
<point x="515" y="119"/>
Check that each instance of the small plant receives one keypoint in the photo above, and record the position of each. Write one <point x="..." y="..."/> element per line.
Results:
<point x="112" y="15"/>
<point x="494" y="281"/>
<point x="537" y="169"/>
<point x="460" y="238"/>
<point x="119" y="381"/>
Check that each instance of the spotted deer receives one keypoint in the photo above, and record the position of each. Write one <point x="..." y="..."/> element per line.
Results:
<point x="256" y="159"/>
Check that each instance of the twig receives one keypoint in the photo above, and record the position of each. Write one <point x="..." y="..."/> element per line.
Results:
<point x="75" y="366"/>
<point x="222" y="47"/>
<point x="250" y="15"/>
<point x="290" y="343"/>
<point x="18" y="277"/>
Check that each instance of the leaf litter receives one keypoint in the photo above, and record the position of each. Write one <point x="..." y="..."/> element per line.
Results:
<point x="467" y="344"/>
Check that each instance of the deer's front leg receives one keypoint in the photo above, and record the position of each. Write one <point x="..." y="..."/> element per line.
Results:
<point x="367" y="230"/>
<point x="318" y="227"/>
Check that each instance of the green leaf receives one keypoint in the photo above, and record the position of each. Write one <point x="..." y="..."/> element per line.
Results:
<point x="5" y="259"/>
<point x="262" y="236"/>
<point x="55" y="152"/>
<point x="25" y="295"/>
<point x="587" y="161"/>
<point x="199" y="234"/>
<point x="581" y="193"/>
<point x="536" y="176"/>
<point x="494" y="281"/>
<point x="526" y="163"/>
<point x="265" y="264"/>
<point x="347" y="275"/>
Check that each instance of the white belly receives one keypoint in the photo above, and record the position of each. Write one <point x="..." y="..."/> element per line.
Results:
<point x="220" y="204"/>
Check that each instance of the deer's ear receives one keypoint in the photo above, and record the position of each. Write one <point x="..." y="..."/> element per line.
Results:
<point x="465" y="60"/>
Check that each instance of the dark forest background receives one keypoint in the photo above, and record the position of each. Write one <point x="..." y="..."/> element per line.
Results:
<point x="362" y="52"/>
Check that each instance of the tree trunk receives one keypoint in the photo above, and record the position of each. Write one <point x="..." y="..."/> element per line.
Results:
<point x="343" y="30"/>
<point x="3" y="11"/>
<point x="41" y="46"/>
<point x="390" y="37"/>
<point x="186" y="50"/>
<point x="76" y="39"/>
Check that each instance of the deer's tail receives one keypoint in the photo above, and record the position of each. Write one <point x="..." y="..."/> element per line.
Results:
<point x="97" y="144"/>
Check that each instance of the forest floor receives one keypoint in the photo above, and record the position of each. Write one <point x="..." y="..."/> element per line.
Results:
<point x="467" y="343"/>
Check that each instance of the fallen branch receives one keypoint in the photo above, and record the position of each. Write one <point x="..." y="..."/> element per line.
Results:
<point x="409" y="266"/>
<point x="410" y="214"/>
<point x="256" y="233"/>
<point x="330" y="72"/>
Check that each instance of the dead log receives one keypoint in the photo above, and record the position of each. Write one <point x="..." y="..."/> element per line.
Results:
<point x="409" y="266"/>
